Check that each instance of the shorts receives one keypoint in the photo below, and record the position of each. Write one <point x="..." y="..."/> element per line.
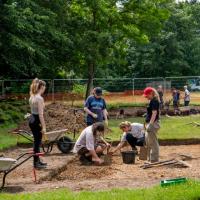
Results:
<point x="84" y="150"/>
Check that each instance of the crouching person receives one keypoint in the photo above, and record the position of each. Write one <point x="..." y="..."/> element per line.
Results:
<point x="133" y="133"/>
<point x="87" y="146"/>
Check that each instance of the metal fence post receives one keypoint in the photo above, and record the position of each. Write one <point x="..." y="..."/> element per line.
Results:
<point x="3" y="90"/>
<point x="165" y="88"/>
<point x="133" y="92"/>
<point x="53" y="97"/>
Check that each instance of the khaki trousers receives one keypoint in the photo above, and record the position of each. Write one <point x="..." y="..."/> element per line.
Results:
<point x="152" y="142"/>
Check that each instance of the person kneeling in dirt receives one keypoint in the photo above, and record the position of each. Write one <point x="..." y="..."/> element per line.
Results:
<point x="87" y="146"/>
<point x="133" y="133"/>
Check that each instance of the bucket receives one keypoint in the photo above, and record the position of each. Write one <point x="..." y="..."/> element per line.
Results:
<point x="128" y="157"/>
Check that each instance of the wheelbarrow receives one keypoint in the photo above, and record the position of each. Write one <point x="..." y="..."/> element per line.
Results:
<point x="7" y="165"/>
<point x="64" y="143"/>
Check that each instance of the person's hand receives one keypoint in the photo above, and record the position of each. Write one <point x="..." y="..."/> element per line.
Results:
<point x="44" y="137"/>
<point x="98" y="161"/>
<point x="108" y="145"/>
<point x="110" y="153"/>
<point x="106" y="122"/>
<point x="94" y="116"/>
<point x="44" y="130"/>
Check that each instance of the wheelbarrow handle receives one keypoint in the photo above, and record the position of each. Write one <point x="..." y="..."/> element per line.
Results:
<point x="39" y="154"/>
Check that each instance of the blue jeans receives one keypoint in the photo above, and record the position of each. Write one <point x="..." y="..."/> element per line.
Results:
<point x="133" y="141"/>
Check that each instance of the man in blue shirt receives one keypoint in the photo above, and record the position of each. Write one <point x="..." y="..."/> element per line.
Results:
<point x="95" y="107"/>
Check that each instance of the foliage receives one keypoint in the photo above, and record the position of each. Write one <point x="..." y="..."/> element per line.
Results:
<point x="49" y="38"/>
<point x="79" y="89"/>
<point x="30" y="39"/>
<point x="175" y="51"/>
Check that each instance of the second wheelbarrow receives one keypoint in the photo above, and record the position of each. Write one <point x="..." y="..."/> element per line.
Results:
<point x="64" y="143"/>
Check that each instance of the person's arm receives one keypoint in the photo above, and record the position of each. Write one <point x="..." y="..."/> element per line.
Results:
<point x="90" y="113"/>
<point x="119" y="146"/>
<point x="87" y="106"/>
<point x="90" y="147"/>
<point x="105" y="112"/>
<point x="153" y="116"/>
<point x="41" y="115"/>
<point x="95" y="157"/>
<point x="105" y="142"/>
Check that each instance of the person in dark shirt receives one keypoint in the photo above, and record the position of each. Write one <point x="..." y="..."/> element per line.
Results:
<point x="152" y="121"/>
<point x="176" y="100"/>
<point x="95" y="107"/>
<point x="160" y="92"/>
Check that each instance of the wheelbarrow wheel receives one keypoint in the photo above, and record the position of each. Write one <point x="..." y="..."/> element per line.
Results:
<point x="65" y="144"/>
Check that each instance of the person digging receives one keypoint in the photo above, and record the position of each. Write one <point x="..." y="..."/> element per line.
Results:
<point x="133" y="133"/>
<point x="91" y="144"/>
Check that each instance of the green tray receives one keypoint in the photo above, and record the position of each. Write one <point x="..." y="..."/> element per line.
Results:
<point x="168" y="182"/>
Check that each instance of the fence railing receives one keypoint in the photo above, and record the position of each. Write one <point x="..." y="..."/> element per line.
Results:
<point x="117" y="90"/>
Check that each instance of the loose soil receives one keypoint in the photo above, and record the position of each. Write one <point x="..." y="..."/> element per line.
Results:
<point x="65" y="171"/>
<point x="60" y="116"/>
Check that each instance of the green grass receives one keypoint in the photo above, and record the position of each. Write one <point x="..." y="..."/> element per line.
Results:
<point x="171" y="128"/>
<point x="8" y="139"/>
<point x="187" y="191"/>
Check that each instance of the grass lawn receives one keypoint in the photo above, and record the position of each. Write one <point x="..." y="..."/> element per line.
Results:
<point x="187" y="191"/>
<point x="171" y="128"/>
<point x="7" y="139"/>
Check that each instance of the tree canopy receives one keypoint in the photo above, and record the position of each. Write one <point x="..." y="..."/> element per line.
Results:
<point x="98" y="38"/>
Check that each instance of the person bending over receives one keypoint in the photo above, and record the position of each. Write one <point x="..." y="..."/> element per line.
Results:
<point x="133" y="133"/>
<point x="88" y="146"/>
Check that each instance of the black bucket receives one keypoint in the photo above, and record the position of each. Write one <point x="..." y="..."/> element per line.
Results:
<point x="128" y="157"/>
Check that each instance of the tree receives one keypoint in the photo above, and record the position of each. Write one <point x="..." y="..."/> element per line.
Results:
<point x="31" y="43"/>
<point x="102" y="28"/>
<point x="173" y="52"/>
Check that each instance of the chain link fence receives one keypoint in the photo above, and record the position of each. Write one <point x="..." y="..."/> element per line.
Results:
<point x="118" y="91"/>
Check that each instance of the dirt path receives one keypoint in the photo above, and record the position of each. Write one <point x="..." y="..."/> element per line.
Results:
<point x="118" y="175"/>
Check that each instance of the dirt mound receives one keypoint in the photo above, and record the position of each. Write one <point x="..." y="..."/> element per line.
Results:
<point x="59" y="116"/>
<point x="75" y="171"/>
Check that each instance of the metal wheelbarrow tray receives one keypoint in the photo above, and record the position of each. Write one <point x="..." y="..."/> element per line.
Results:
<point x="64" y="143"/>
<point x="7" y="165"/>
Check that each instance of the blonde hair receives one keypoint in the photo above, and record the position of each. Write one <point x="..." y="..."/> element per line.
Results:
<point x="155" y="94"/>
<point x="124" y="124"/>
<point x="36" y="86"/>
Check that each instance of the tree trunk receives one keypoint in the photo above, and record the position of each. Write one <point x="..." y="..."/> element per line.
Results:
<point x="90" y="79"/>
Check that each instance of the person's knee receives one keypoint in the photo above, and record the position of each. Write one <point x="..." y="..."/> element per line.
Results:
<point x="100" y="148"/>
<point x="129" y="137"/>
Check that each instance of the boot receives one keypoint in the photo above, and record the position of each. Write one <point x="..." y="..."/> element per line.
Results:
<point x="38" y="165"/>
<point x="42" y="163"/>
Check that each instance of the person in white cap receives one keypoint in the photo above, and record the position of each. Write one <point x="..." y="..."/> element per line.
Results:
<point x="187" y="96"/>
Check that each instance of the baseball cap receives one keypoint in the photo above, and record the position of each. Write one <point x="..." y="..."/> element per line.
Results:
<point x="147" y="91"/>
<point x="98" y="91"/>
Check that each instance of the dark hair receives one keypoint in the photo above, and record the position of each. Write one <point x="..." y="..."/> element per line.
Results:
<point x="98" y="126"/>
